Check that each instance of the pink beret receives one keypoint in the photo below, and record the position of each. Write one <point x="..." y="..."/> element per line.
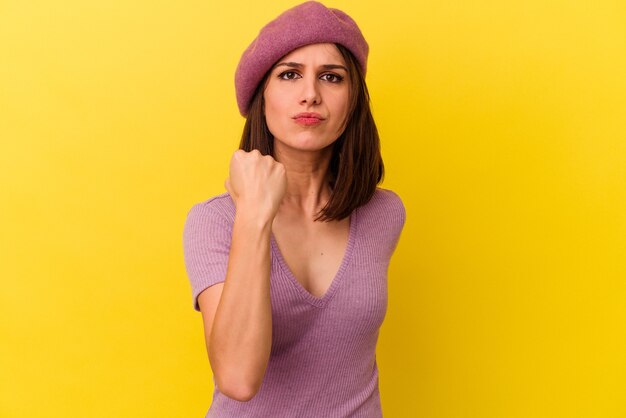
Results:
<point x="307" y="23"/>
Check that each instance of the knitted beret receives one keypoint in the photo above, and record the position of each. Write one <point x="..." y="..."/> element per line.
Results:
<point x="307" y="23"/>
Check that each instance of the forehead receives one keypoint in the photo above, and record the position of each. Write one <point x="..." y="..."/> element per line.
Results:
<point x="325" y="53"/>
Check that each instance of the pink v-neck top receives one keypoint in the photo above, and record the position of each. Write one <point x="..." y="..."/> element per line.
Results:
<point x="323" y="356"/>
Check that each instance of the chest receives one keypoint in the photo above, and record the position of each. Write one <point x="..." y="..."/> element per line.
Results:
<point x="313" y="251"/>
<point x="350" y="310"/>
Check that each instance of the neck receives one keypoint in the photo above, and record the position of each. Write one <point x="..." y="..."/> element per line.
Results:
<point x="307" y="178"/>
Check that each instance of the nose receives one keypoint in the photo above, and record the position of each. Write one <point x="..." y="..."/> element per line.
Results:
<point x="310" y="91"/>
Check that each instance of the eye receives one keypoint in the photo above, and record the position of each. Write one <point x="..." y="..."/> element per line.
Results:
<point x="332" y="78"/>
<point x="287" y="75"/>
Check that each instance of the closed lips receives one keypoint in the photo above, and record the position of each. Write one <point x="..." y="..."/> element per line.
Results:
<point x="309" y="116"/>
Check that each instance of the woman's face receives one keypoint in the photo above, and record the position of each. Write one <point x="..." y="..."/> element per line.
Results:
<point x="306" y="98"/>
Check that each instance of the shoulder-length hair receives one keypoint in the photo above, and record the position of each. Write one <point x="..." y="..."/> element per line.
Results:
<point x="356" y="165"/>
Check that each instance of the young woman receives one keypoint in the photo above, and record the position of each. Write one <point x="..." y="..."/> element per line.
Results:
<point x="289" y="267"/>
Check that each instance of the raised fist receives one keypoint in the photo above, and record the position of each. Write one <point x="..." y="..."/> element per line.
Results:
<point x="257" y="183"/>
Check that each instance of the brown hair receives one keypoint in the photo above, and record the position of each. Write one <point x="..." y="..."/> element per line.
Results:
<point x="356" y="166"/>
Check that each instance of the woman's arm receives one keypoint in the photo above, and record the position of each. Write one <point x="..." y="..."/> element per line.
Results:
<point x="237" y="314"/>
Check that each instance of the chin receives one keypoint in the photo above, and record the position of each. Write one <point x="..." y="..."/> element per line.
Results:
<point x="306" y="143"/>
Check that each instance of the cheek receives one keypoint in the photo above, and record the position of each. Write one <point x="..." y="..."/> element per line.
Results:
<point x="273" y="120"/>
<point x="268" y="111"/>
<point x="342" y="112"/>
<point x="340" y="102"/>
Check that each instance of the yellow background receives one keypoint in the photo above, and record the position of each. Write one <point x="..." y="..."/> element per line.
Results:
<point x="503" y="126"/>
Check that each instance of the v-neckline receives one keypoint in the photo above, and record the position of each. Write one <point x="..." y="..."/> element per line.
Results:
<point x="309" y="297"/>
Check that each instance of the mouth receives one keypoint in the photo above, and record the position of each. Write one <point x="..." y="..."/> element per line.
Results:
<point x="308" y="119"/>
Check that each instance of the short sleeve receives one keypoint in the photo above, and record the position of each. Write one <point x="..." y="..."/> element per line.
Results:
<point x="397" y="212"/>
<point x="392" y="216"/>
<point x="206" y="245"/>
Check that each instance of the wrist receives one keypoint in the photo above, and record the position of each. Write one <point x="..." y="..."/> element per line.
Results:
<point x="253" y="220"/>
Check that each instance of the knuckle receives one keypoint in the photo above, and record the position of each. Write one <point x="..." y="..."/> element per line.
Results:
<point x="238" y="154"/>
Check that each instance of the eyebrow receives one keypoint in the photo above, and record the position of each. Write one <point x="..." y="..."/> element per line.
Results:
<point x="299" y="66"/>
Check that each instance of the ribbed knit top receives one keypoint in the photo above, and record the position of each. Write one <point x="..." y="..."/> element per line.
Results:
<point x="323" y="357"/>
